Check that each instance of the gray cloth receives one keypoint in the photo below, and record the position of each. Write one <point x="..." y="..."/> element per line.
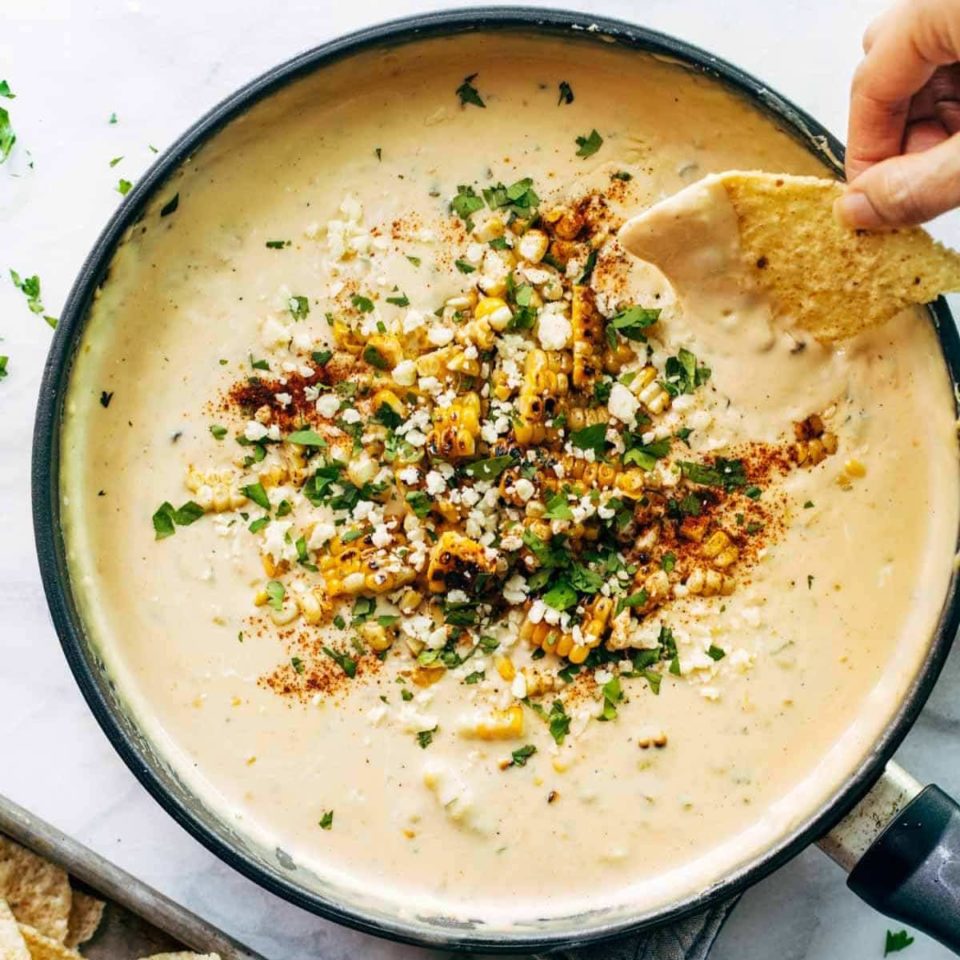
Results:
<point x="687" y="939"/>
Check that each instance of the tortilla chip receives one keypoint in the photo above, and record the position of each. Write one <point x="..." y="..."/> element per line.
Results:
<point x="12" y="946"/>
<point x="45" y="948"/>
<point x="184" y="956"/>
<point x="86" y="912"/>
<point x="37" y="891"/>
<point x="832" y="281"/>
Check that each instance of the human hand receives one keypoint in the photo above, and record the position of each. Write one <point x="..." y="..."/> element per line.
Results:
<point x="903" y="155"/>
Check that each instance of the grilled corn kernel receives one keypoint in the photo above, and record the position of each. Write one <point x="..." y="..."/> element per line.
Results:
<point x="456" y="428"/>
<point x="505" y="667"/>
<point x="533" y="245"/>
<point x="382" y="352"/>
<point x="457" y="562"/>
<point x="497" y="725"/>
<point x="376" y="636"/>
<point x="588" y="336"/>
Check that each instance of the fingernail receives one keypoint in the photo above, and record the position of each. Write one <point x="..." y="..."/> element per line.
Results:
<point x="855" y="210"/>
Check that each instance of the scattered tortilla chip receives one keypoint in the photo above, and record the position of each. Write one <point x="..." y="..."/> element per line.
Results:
<point x="45" y="948"/>
<point x="12" y="946"/>
<point x="86" y="912"/>
<point x="38" y="892"/>
<point x="184" y="956"/>
<point x="832" y="281"/>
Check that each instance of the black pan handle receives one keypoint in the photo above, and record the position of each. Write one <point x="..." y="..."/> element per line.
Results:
<point x="911" y="872"/>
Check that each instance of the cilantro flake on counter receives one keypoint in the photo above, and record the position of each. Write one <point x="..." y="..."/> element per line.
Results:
<point x="123" y="187"/>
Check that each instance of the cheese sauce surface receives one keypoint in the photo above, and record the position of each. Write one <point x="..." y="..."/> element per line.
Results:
<point x="379" y="789"/>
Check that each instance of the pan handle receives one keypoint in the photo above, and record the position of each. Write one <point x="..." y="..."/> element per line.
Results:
<point x="901" y="847"/>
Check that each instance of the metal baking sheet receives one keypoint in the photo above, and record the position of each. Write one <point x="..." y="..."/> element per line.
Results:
<point x="138" y="920"/>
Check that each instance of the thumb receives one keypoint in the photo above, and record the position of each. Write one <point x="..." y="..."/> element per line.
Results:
<point x="903" y="190"/>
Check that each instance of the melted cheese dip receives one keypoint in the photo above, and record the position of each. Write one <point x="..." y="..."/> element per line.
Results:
<point x="821" y="639"/>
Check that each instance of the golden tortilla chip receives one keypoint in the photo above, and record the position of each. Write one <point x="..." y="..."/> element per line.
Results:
<point x="86" y="912"/>
<point x="37" y="891"/>
<point x="45" y="948"/>
<point x="12" y="946"/>
<point x="832" y="281"/>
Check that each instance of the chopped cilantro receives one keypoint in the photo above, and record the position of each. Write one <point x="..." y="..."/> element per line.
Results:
<point x="170" y="206"/>
<point x="275" y="592"/>
<point x="277" y="244"/>
<point x="3" y="366"/>
<point x="566" y="93"/>
<point x="416" y="261"/>
<point x="646" y="455"/>
<point x="321" y="357"/>
<point x="558" y="508"/>
<point x="257" y="494"/>
<point x="345" y="662"/>
<point x="592" y="438"/>
<point x="257" y="525"/>
<point x="166" y="516"/>
<point x="6" y="92"/>
<point x="728" y="474"/>
<point x="488" y="469"/>
<point x="558" y="722"/>
<point x="716" y="653"/>
<point x="588" y="267"/>
<point x="474" y="677"/>
<point x="299" y="307"/>
<point x="561" y="596"/>
<point x="307" y="438"/>
<point x="375" y="358"/>
<point x="808" y="505"/>
<point x="115" y="161"/>
<point x="425" y="737"/>
<point x="361" y="303"/>
<point x="464" y="267"/>
<point x="105" y="397"/>
<point x="631" y="323"/>
<point x="519" y="199"/>
<point x="637" y="599"/>
<point x="400" y="300"/>
<point x="621" y="175"/>
<point x="589" y="145"/>
<point x="419" y="502"/>
<point x="895" y="942"/>
<point x="218" y="432"/>
<point x="259" y="364"/>
<point x="522" y="754"/>
<point x="407" y="695"/>
<point x="7" y="137"/>
<point x="683" y="374"/>
<point x="465" y="203"/>
<point x="297" y="664"/>
<point x="612" y="695"/>
<point x="668" y="561"/>
<point x="326" y="821"/>
<point x="467" y="92"/>
<point x="752" y="492"/>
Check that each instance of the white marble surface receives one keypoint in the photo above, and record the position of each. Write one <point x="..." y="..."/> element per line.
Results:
<point x="158" y="64"/>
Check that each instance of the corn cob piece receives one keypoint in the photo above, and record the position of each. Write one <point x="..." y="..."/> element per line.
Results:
<point x="496" y="725"/>
<point x="215" y="490"/>
<point x="456" y="428"/>
<point x="587" y="476"/>
<point x="546" y="376"/>
<point x="588" y="336"/>
<point x="457" y="562"/>
<point x="355" y="568"/>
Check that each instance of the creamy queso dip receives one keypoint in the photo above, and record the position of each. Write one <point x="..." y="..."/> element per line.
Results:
<point x="409" y="783"/>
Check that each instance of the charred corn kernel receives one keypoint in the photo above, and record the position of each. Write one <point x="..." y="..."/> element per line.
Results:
<point x="288" y="612"/>
<point x="311" y="607"/>
<point x="694" y="528"/>
<point x="270" y="567"/>
<point x="539" y="682"/>
<point x="362" y="469"/>
<point x="410" y="600"/>
<point x="376" y="636"/>
<point x="390" y="399"/>
<point x="382" y="352"/>
<point x="596" y="622"/>
<point x="632" y="483"/>
<point x="581" y="473"/>
<point x="564" y="222"/>
<point x="854" y="468"/>
<point x="580" y="417"/>
<point x="497" y="725"/>
<point x="578" y="653"/>
<point x="346" y="338"/>
<point x="263" y="415"/>
<point x="546" y="372"/>
<point x="703" y="582"/>
<point x="649" y="391"/>
<point x="563" y="251"/>
<point x="456" y="428"/>
<point x="616" y="358"/>
<point x="214" y="490"/>
<point x="488" y="306"/>
<point x="588" y="336"/>
<point x="489" y="229"/>
<point x="356" y="568"/>
<point x="501" y="385"/>
<point x="541" y="635"/>
<point x="533" y="245"/>
<point x="505" y="667"/>
<point x="462" y="301"/>
<point x="428" y="676"/>
<point x="457" y="562"/>
<point x="829" y="441"/>
<point x="477" y="332"/>
<point x="716" y="543"/>
<point x="272" y="475"/>
<point x="459" y="361"/>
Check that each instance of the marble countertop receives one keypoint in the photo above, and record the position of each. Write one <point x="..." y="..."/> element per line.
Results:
<point x="158" y="64"/>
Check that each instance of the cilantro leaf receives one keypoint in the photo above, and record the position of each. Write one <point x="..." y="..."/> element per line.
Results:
<point x="566" y="93"/>
<point x="467" y="92"/>
<point x="592" y="438"/>
<point x="589" y="145"/>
